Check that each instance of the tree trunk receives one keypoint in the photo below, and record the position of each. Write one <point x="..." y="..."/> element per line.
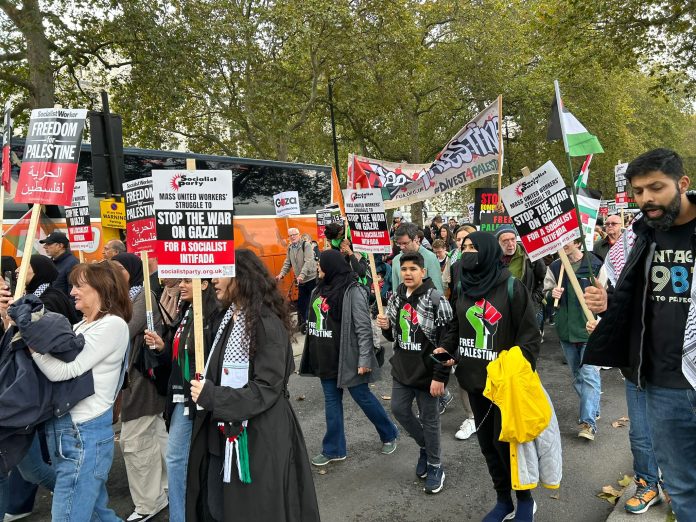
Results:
<point x="416" y="208"/>
<point x="38" y="57"/>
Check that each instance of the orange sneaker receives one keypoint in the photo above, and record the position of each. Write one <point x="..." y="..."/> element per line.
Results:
<point x="646" y="495"/>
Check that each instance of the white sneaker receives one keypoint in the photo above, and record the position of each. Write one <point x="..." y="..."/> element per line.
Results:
<point x="139" y="517"/>
<point x="466" y="430"/>
<point x="10" y="517"/>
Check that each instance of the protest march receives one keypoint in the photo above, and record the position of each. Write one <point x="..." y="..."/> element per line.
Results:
<point x="509" y="304"/>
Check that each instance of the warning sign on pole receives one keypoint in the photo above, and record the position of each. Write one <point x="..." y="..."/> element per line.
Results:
<point x="140" y="215"/>
<point x="367" y="221"/>
<point x="51" y="155"/>
<point x="542" y="210"/>
<point x="193" y="216"/>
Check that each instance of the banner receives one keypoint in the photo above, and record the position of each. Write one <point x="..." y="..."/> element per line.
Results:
<point x="472" y="154"/>
<point x="325" y="217"/>
<point x="78" y="220"/>
<point x="485" y="215"/>
<point x="287" y="204"/>
<point x="140" y="215"/>
<point x="542" y="210"/>
<point x="51" y="155"/>
<point x="193" y="217"/>
<point x="589" y="211"/>
<point x="7" y="148"/>
<point x="367" y="221"/>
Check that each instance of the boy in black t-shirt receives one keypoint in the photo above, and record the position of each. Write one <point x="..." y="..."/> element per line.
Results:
<point x="415" y="315"/>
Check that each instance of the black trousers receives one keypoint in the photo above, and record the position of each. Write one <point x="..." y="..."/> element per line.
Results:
<point x="496" y="453"/>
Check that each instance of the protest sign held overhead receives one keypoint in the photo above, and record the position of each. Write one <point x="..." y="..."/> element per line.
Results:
<point x="486" y="215"/>
<point x="622" y="198"/>
<point x="287" y="204"/>
<point x="326" y="216"/>
<point x="542" y="210"/>
<point x="51" y="155"/>
<point x="589" y="211"/>
<point x="6" y="147"/>
<point x="193" y="216"/>
<point x="473" y="153"/>
<point x="367" y="221"/>
<point x="140" y="215"/>
<point x="78" y="220"/>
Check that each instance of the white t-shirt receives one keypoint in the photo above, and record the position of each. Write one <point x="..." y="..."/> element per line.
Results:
<point x="106" y="341"/>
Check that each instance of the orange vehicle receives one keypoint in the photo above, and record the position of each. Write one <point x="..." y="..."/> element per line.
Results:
<point x="256" y="226"/>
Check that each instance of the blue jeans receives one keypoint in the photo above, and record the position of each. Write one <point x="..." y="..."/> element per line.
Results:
<point x="586" y="381"/>
<point x="334" y="443"/>
<point x="178" y="447"/>
<point x="672" y="421"/>
<point x="33" y="470"/>
<point x="644" y="463"/>
<point x="82" y="455"/>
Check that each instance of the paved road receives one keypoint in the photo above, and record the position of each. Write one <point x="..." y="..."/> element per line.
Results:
<point x="372" y="487"/>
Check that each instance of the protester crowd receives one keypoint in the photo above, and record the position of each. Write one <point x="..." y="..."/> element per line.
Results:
<point x="77" y="356"/>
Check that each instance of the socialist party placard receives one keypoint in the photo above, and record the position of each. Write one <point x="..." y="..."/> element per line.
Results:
<point x="623" y="200"/>
<point x="542" y="210"/>
<point x="193" y="219"/>
<point x="51" y="155"/>
<point x="140" y="215"/>
<point x="287" y="204"/>
<point x="78" y="220"/>
<point x="367" y="221"/>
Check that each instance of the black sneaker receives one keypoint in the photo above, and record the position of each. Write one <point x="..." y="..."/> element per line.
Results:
<point x="435" y="479"/>
<point x="422" y="466"/>
<point x="445" y="401"/>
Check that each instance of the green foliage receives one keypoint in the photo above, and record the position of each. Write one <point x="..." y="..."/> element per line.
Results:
<point x="251" y="78"/>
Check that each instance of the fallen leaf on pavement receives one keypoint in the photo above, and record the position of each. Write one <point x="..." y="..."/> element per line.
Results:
<point x="556" y="495"/>
<point x="620" y="422"/>
<point x="386" y="397"/>
<point x="611" y="490"/>
<point x="300" y="398"/>
<point x="625" y="481"/>
<point x="322" y="472"/>
<point x="609" y="498"/>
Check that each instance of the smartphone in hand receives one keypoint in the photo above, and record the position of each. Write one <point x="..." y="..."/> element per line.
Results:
<point x="11" y="280"/>
<point x="441" y="357"/>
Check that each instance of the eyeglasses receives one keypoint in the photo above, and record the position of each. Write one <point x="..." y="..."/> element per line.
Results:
<point x="294" y="235"/>
<point x="402" y="244"/>
<point x="613" y="224"/>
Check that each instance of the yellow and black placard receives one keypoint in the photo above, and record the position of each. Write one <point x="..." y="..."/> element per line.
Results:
<point x="113" y="213"/>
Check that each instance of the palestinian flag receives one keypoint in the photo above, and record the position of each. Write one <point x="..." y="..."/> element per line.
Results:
<point x="16" y="234"/>
<point x="576" y="140"/>
<point x="584" y="175"/>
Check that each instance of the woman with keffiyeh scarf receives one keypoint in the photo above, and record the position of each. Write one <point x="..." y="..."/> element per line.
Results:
<point x="178" y="347"/>
<point x="248" y="459"/>
<point x="143" y="432"/>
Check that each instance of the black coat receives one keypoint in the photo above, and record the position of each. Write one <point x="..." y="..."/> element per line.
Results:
<point x="64" y="263"/>
<point x="282" y="487"/>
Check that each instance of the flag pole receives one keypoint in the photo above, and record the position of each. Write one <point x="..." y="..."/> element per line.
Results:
<point x="559" y="104"/>
<point x="500" y="207"/>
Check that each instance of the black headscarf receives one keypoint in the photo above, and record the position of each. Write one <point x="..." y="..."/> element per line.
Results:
<point x="134" y="265"/>
<point x="8" y="264"/>
<point x="489" y="270"/>
<point x="338" y="276"/>
<point x="44" y="269"/>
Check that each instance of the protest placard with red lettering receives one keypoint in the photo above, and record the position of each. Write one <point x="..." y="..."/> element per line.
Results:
<point x="140" y="215"/>
<point x="623" y="200"/>
<point x="486" y="214"/>
<point x="51" y="155"/>
<point x="77" y="218"/>
<point x="367" y="221"/>
<point x="193" y="219"/>
<point x="542" y="210"/>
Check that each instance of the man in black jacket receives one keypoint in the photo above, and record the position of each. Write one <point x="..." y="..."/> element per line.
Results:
<point x="57" y="247"/>
<point x="649" y="326"/>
